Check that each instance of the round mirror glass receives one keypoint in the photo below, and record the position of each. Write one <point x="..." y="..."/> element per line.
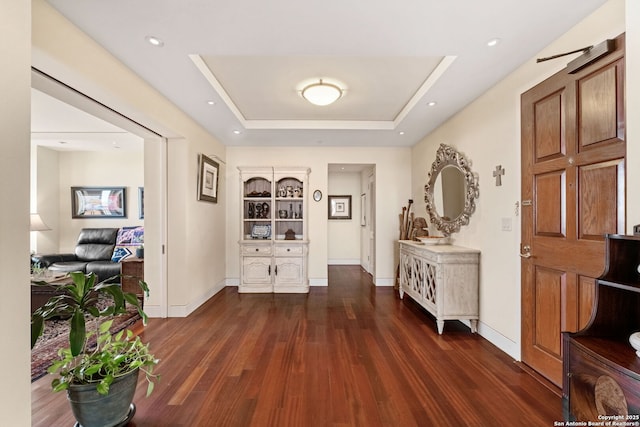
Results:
<point x="451" y="191"/>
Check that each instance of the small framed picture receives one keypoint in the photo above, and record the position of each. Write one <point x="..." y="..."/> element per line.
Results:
<point x="98" y="202"/>
<point x="141" y="202"/>
<point x="339" y="207"/>
<point x="208" y="172"/>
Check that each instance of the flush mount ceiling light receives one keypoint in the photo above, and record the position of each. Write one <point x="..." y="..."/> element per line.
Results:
<point x="321" y="93"/>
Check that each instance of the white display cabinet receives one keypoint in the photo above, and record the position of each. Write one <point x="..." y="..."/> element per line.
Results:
<point x="273" y="241"/>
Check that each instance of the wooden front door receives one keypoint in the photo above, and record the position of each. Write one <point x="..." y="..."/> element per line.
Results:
<point x="573" y="192"/>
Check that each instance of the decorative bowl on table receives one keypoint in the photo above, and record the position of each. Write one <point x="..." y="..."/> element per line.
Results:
<point x="434" y="240"/>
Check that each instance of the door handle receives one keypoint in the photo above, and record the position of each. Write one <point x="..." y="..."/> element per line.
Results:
<point x="527" y="252"/>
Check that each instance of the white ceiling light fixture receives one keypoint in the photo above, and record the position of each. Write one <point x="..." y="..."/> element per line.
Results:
<point x="322" y="93"/>
<point x="493" y="42"/>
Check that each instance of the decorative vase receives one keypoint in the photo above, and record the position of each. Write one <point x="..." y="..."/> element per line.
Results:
<point x="91" y="409"/>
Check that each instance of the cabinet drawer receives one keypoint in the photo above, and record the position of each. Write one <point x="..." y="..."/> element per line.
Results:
<point x="256" y="250"/>
<point x="289" y="250"/>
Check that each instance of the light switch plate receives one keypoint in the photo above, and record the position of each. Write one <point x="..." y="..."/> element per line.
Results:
<point x="506" y="224"/>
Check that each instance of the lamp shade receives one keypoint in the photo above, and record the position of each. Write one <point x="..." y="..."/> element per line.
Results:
<point x="321" y="93"/>
<point x="37" y="224"/>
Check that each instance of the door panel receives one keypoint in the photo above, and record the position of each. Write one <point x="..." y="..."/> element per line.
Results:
<point x="573" y="158"/>
<point x="597" y="210"/>
<point x="549" y="142"/>
<point x="550" y="219"/>
<point x="601" y="106"/>
<point x="549" y="284"/>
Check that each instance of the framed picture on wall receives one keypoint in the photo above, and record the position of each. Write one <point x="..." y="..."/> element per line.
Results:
<point x="339" y="207"/>
<point x="98" y="202"/>
<point x="141" y="202"/>
<point x="208" y="172"/>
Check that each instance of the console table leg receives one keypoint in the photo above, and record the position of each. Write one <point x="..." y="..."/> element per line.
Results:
<point x="474" y="325"/>
<point x="440" y="324"/>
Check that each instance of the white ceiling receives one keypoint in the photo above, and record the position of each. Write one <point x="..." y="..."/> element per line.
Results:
<point x="62" y="127"/>
<point x="393" y="58"/>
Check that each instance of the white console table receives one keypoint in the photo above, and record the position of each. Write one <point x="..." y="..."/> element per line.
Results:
<point x="441" y="278"/>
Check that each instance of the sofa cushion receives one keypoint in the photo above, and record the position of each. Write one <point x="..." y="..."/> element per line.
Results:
<point x="68" y="266"/>
<point x="104" y="270"/>
<point x="127" y="241"/>
<point x="96" y="244"/>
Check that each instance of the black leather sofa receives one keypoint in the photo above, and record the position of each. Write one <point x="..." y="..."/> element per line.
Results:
<point x="92" y="254"/>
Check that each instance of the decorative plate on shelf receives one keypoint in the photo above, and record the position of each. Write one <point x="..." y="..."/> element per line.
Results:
<point x="261" y="231"/>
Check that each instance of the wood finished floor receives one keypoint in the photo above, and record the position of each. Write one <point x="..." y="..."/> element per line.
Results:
<point x="348" y="354"/>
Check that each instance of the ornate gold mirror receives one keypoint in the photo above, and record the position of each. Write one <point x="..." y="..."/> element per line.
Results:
<point x="450" y="191"/>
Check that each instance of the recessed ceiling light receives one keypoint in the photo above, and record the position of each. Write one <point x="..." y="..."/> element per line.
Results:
<point x="62" y="142"/>
<point x="432" y="104"/>
<point x="154" y="41"/>
<point x="401" y="132"/>
<point x="237" y="132"/>
<point x="211" y="102"/>
<point x="493" y="42"/>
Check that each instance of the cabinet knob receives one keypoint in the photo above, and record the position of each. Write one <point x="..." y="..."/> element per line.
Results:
<point x="257" y="249"/>
<point x="288" y="249"/>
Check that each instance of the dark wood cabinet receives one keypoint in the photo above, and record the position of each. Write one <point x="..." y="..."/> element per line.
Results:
<point x="601" y="369"/>
<point x="132" y="272"/>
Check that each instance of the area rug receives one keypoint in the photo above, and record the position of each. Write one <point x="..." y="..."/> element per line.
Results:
<point x="56" y="335"/>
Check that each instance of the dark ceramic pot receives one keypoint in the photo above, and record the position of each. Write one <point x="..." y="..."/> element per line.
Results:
<point x="91" y="409"/>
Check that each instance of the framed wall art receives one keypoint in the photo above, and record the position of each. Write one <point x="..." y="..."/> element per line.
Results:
<point x="208" y="172"/>
<point x="339" y="207"/>
<point x="141" y="202"/>
<point x="98" y="202"/>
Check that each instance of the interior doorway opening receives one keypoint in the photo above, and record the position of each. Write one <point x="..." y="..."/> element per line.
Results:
<point x="351" y="236"/>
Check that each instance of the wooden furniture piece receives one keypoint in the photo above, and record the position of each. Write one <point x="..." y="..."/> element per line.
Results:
<point x="132" y="272"/>
<point x="273" y="240"/>
<point x="601" y="369"/>
<point x="40" y="294"/>
<point x="441" y="278"/>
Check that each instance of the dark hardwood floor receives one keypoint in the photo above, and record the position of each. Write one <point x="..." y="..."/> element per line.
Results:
<point x="348" y="354"/>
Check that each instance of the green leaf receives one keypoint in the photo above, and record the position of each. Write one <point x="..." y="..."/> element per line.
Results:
<point x="77" y="333"/>
<point x="37" y="327"/>
<point x="105" y="326"/>
<point x="103" y="388"/>
<point x="150" y="387"/>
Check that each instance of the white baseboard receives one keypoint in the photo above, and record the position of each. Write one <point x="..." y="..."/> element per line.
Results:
<point x="344" y="261"/>
<point x="321" y="281"/>
<point x="496" y="338"/>
<point x="185" y="310"/>
<point x="383" y="281"/>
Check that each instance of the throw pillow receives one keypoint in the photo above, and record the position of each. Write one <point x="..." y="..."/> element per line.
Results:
<point x="127" y="241"/>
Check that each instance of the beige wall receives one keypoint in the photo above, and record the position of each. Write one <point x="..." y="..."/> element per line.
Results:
<point x="45" y="192"/>
<point x="90" y="169"/>
<point x="193" y="229"/>
<point x="488" y="133"/>
<point x="343" y="236"/>
<point x="393" y="185"/>
<point x="15" y="86"/>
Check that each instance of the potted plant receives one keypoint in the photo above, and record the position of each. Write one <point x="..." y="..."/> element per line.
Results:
<point x="99" y="369"/>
